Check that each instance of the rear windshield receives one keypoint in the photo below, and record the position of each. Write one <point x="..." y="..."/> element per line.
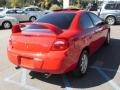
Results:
<point x="61" y="20"/>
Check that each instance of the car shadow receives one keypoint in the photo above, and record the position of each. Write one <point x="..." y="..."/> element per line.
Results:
<point x="105" y="57"/>
<point x="1" y="28"/>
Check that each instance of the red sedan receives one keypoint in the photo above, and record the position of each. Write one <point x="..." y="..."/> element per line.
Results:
<point x="59" y="42"/>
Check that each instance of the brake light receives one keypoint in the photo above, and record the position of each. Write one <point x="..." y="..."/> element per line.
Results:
<point x="16" y="28"/>
<point x="60" y="44"/>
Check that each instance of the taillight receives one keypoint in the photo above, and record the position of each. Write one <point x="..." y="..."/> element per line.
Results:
<point x="60" y="44"/>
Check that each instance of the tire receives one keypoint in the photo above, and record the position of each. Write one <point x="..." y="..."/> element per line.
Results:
<point x="107" y="41"/>
<point x="6" y="25"/>
<point x="111" y="20"/>
<point x="32" y="18"/>
<point x="82" y="66"/>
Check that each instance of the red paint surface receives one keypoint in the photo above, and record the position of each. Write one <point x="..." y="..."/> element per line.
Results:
<point x="35" y="51"/>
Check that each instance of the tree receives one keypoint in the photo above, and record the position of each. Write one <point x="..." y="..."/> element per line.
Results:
<point x="2" y="3"/>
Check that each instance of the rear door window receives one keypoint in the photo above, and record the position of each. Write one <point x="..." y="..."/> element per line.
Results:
<point x="96" y="20"/>
<point x="19" y="12"/>
<point x="29" y="9"/>
<point x="11" y="12"/>
<point x="118" y="6"/>
<point x="36" y="9"/>
<point x="86" y="22"/>
<point x="110" y="6"/>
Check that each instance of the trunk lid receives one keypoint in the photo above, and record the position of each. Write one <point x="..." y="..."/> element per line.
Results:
<point x="33" y="41"/>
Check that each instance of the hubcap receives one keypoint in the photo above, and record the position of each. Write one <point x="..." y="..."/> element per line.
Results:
<point x="84" y="63"/>
<point x="111" y="20"/>
<point x="6" y="25"/>
<point x="33" y="19"/>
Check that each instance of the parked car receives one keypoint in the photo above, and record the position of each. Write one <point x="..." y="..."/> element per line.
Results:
<point x="59" y="42"/>
<point x="35" y="9"/>
<point x="6" y="21"/>
<point x="20" y="15"/>
<point x="110" y="12"/>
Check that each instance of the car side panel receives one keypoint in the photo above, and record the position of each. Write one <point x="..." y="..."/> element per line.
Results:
<point x="104" y="32"/>
<point x="91" y="41"/>
<point x="23" y="17"/>
<point x="1" y="21"/>
<point x="98" y="36"/>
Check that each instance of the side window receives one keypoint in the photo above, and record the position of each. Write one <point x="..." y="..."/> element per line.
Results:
<point x="29" y="9"/>
<point x="110" y="6"/>
<point x="118" y="6"/>
<point x="32" y="9"/>
<point x="19" y="12"/>
<point x="95" y="18"/>
<point x="36" y="9"/>
<point x="10" y="12"/>
<point x="86" y="22"/>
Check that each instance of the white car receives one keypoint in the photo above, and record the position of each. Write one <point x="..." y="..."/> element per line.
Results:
<point x="20" y="15"/>
<point x="36" y="10"/>
<point x="32" y="9"/>
<point x="6" y="21"/>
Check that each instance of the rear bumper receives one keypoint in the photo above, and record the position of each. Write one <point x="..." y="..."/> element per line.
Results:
<point x="51" y="62"/>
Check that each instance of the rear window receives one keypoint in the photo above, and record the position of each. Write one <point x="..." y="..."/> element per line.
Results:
<point x="61" y="20"/>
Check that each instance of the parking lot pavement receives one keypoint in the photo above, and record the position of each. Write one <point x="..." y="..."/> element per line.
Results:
<point x="104" y="71"/>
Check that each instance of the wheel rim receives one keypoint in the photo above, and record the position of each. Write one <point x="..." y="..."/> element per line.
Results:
<point x="33" y="19"/>
<point x="84" y="63"/>
<point x="7" y="25"/>
<point x="111" y="20"/>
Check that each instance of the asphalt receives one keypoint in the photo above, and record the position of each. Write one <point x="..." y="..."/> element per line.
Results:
<point x="103" y="73"/>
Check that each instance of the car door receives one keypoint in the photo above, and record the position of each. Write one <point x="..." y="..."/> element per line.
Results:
<point x="100" y="31"/>
<point x="22" y="16"/>
<point x="107" y="10"/>
<point x="88" y="37"/>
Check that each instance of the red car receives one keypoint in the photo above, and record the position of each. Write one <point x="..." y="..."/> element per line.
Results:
<point x="59" y="42"/>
